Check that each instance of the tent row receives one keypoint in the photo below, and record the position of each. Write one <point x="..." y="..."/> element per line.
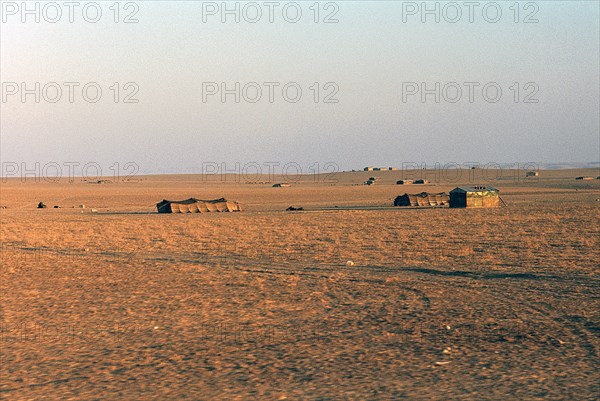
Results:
<point x="476" y="196"/>
<point x="460" y="197"/>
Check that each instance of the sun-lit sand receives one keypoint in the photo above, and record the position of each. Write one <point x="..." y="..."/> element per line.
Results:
<point x="124" y="303"/>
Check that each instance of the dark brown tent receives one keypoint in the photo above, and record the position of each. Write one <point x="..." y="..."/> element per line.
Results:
<point x="193" y="205"/>
<point x="424" y="199"/>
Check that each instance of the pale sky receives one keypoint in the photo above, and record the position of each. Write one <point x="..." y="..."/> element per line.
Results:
<point x="370" y="55"/>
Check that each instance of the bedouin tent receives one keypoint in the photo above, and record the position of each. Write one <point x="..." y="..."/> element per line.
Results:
<point x="475" y="196"/>
<point x="193" y="205"/>
<point x="422" y="199"/>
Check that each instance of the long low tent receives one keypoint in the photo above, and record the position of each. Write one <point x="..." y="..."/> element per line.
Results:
<point x="193" y="205"/>
<point x="424" y="199"/>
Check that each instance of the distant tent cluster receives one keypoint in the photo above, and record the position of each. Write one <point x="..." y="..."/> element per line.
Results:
<point x="193" y="205"/>
<point x="405" y="182"/>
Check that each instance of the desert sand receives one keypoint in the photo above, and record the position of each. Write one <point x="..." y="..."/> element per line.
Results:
<point x="127" y="304"/>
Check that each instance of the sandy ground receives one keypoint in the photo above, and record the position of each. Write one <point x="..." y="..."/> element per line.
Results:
<point x="126" y="304"/>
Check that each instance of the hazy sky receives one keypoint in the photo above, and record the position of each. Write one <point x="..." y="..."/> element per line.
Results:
<point x="369" y="54"/>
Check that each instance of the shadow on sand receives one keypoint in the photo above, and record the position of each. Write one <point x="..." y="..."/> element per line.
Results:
<point x="487" y="276"/>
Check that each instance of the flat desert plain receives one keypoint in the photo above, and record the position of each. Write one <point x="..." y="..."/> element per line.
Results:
<point x="127" y="304"/>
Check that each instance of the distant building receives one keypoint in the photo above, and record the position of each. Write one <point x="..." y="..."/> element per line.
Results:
<point x="404" y="182"/>
<point x="379" y="168"/>
<point x="475" y="196"/>
<point x="421" y="182"/>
